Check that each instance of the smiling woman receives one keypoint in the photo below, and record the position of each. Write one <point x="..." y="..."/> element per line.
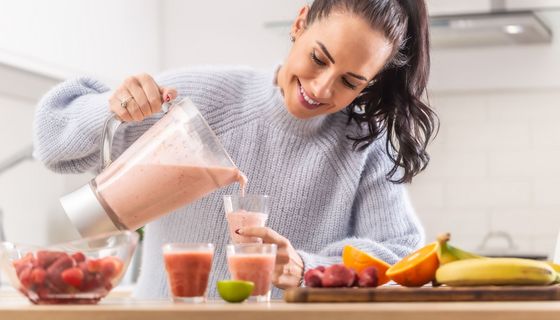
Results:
<point x="323" y="134"/>
<point x="385" y="73"/>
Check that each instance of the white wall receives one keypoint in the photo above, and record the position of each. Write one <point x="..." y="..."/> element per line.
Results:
<point x="106" y="38"/>
<point x="28" y="191"/>
<point x="494" y="168"/>
<point x="225" y="32"/>
<point x="42" y="43"/>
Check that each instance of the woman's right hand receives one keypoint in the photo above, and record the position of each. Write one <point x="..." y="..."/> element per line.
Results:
<point x="141" y="97"/>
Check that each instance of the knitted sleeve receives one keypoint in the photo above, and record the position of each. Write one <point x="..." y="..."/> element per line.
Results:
<point x="68" y="123"/>
<point x="384" y="222"/>
<point x="69" y="118"/>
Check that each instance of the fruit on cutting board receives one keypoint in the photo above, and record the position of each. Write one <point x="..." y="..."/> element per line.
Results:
<point x="359" y="260"/>
<point x="448" y="253"/>
<point x="340" y="276"/>
<point x="496" y="271"/>
<point x="416" y="269"/>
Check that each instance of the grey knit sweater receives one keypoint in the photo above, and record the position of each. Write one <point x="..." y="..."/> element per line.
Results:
<point x="324" y="194"/>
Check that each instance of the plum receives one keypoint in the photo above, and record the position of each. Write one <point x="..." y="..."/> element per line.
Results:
<point x="337" y="276"/>
<point x="313" y="278"/>
<point x="369" y="277"/>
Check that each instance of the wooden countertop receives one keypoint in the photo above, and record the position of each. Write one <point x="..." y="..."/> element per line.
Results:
<point x="118" y="306"/>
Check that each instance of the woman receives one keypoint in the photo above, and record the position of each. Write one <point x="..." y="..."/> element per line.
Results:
<point x="331" y="135"/>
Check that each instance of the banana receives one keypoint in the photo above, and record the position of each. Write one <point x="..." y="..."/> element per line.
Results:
<point x="496" y="271"/>
<point x="448" y="253"/>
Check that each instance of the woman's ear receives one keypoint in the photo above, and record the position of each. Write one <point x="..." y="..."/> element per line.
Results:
<point x="300" y="22"/>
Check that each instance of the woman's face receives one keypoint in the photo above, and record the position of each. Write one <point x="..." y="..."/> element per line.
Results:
<point x="330" y="63"/>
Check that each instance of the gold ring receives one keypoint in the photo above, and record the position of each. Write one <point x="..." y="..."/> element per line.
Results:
<point x="124" y="102"/>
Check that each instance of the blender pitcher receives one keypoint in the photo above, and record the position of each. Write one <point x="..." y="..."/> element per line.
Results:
<point x="177" y="161"/>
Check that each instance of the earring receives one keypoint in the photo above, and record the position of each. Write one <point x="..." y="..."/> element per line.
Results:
<point x="292" y="38"/>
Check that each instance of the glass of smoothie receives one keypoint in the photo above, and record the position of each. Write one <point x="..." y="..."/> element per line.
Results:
<point x="253" y="262"/>
<point x="188" y="267"/>
<point x="244" y="211"/>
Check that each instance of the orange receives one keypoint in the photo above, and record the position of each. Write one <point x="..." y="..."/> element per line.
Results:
<point x="416" y="269"/>
<point x="359" y="260"/>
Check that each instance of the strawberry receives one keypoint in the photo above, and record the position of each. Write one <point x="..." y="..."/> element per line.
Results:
<point x="46" y="258"/>
<point x="54" y="271"/>
<point x="94" y="265"/>
<point x="23" y="263"/>
<point x="91" y="282"/>
<point x="43" y="292"/>
<point x="25" y="278"/>
<point x="38" y="275"/>
<point x="78" y="257"/>
<point x="73" y="276"/>
<point x="21" y="266"/>
<point x="111" y="267"/>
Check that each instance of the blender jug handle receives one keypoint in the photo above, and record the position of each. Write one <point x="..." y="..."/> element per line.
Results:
<point x="109" y="128"/>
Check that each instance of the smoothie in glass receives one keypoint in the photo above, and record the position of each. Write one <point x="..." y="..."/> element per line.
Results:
<point x="244" y="211"/>
<point x="188" y="268"/>
<point x="240" y="219"/>
<point x="253" y="262"/>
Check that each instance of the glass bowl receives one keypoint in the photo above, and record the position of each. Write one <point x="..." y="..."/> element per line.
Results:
<point x="78" y="272"/>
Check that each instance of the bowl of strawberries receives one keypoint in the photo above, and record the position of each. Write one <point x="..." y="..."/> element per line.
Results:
<point x="77" y="272"/>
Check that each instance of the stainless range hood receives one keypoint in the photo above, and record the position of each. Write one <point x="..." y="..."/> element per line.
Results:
<point x="478" y="23"/>
<point x="489" y="29"/>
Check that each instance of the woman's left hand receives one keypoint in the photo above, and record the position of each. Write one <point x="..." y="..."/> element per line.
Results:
<point x="288" y="272"/>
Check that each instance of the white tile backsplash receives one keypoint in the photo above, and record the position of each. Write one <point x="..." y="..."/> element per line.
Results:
<point x="456" y="164"/>
<point x="495" y="167"/>
<point x="547" y="193"/>
<point x="511" y="163"/>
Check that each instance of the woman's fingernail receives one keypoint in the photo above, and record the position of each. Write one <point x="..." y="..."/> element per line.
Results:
<point x="238" y="231"/>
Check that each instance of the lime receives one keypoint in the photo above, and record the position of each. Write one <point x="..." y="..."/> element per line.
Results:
<point x="235" y="290"/>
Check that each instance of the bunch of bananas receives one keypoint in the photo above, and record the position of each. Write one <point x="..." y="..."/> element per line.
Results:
<point x="461" y="268"/>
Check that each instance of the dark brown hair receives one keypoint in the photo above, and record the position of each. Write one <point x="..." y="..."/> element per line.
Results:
<point x="392" y="104"/>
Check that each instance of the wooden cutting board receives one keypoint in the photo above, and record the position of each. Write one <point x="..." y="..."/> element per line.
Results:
<point x="443" y="293"/>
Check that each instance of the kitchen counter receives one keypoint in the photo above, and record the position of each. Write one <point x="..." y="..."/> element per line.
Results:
<point x="119" y="306"/>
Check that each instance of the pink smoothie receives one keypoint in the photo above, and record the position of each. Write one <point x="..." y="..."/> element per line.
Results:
<point x="241" y="219"/>
<point x="140" y="193"/>
<point x="188" y="272"/>
<point x="257" y="268"/>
